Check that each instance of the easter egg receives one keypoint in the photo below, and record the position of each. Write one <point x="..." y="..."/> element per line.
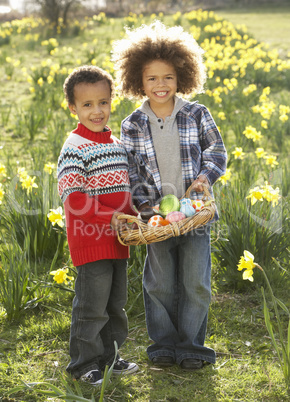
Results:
<point x="156" y="208"/>
<point x="175" y="216"/>
<point x="155" y="221"/>
<point x="168" y="204"/>
<point x="165" y="222"/>
<point x="185" y="201"/>
<point x="188" y="210"/>
<point x="132" y="225"/>
<point x="197" y="205"/>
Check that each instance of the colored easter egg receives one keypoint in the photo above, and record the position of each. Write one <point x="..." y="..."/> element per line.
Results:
<point x="175" y="216"/>
<point x="168" y="204"/>
<point x="188" y="210"/>
<point x="156" y="208"/>
<point x="185" y="201"/>
<point x="165" y="222"/>
<point x="155" y="221"/>
<point x="197" y="205"/>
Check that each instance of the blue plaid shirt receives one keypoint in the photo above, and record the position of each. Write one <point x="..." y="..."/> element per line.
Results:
<point x="201" y="147"/>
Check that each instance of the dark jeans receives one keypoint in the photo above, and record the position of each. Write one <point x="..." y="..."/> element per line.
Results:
<point x="177" y="293"/>
<point x="98" y="315"/>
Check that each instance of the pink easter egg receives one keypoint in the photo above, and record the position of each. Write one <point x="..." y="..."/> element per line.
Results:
<point x="175" y="216"/>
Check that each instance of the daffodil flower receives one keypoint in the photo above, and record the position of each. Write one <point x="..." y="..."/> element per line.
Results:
<point x="283" y="118"/>
<point x="28" y="183"/>
<point x="226" y="177"/>
<point x="247" y="263"/>
<point x="61" y="276"/>
<point x="252" y="133"/>
<point x="256" y="194"/>
<point x="56" y="217"/>
<point x="1" y="193"/>
<point x="271" y="160"/>
<point x="265" y="192"/>
<point x="238" y="153"/>
<point x="49" y="167"/>
<point x="2" y="170"/>
<point x="260" y="153"/>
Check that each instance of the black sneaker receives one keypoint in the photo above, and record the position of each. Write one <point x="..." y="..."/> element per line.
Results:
<point x="123" y="367"/>
<point x="191" y="364"/>
<point x="93" y="377"/>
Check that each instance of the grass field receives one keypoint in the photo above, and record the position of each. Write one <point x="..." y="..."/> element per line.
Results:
<point x="34" y="338"/>
<point x="267" y="24"/>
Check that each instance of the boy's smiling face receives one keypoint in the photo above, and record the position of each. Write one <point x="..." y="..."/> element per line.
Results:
<point x="159" y="83"/>
<point x="92" y="104"/>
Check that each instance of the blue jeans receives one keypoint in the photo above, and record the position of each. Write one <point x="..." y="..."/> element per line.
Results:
<point x="98" y="315"/>
<point x="177" y="293"/>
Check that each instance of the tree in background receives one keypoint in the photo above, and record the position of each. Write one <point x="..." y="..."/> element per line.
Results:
<point x="54" y="10"/>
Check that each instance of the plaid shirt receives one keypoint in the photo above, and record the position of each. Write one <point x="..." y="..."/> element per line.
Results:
<point x="201" y="147"/>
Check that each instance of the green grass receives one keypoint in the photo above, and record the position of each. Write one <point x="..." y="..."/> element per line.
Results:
<point x="268" y="24"/>
<point x="35" y="348"/>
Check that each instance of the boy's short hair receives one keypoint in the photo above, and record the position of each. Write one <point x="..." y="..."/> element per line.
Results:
<point x="157" y="42"/>
<point x="85" y="74"/>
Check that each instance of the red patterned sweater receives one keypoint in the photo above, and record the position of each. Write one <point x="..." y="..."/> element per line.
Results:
<point x="93" y="183"/>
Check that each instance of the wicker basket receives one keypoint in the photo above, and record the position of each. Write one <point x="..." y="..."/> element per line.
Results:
<point x="146" y="234"/>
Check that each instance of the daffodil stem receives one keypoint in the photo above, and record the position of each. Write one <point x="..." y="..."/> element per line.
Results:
<point x="276" y="312"/>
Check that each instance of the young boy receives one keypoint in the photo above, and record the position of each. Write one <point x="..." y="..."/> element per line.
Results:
<point x="94" y="187"/>
<point x="171" y="144"/>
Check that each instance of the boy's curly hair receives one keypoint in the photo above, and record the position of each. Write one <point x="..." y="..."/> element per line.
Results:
<point x="157" y="42"/>
<point x="85" y="74"/>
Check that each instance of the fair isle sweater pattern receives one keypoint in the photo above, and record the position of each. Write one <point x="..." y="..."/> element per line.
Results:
<point x="92" y="167"/>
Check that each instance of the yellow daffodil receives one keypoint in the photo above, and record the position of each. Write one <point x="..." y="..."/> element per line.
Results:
<point x="2" y="170"/>
<point x="50" y="79"/>
<point x="256" y="194"/>
<point x="270" y="194"/>
<point x="21" y="173"/>
<point x="264" y="124"/>
<point x="2" y="192"/>
<point x="252" y="133"/>
<point x="28" y="183"/>
<point x="56" y="217"/>
<point x="283" y="109"/>
<point x="74" y="116"/>
<point x="283" y="117"/>
<point x="271" y="160"/>
<point x="238" y="153"/>
<point x="247" y="263"/>
<point x="49" y="167"/>
<point x="61" y="276"/>
<point x="222" y="116"/>
<point x="226" y="177"/>
<point x="264" y="192"/>
<point x="64" y="104"/>
<point x="260" y="153"/>
<point x="249" y="89"/>
<point x="40" y="81"/>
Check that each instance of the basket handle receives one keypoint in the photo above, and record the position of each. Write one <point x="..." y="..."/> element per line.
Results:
<point x="206" y="193"/>
<point x="132" y="218"/>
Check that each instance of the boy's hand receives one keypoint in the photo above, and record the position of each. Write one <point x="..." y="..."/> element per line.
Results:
<point x="117" y="223"/>
<point x="199" y="183"/>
